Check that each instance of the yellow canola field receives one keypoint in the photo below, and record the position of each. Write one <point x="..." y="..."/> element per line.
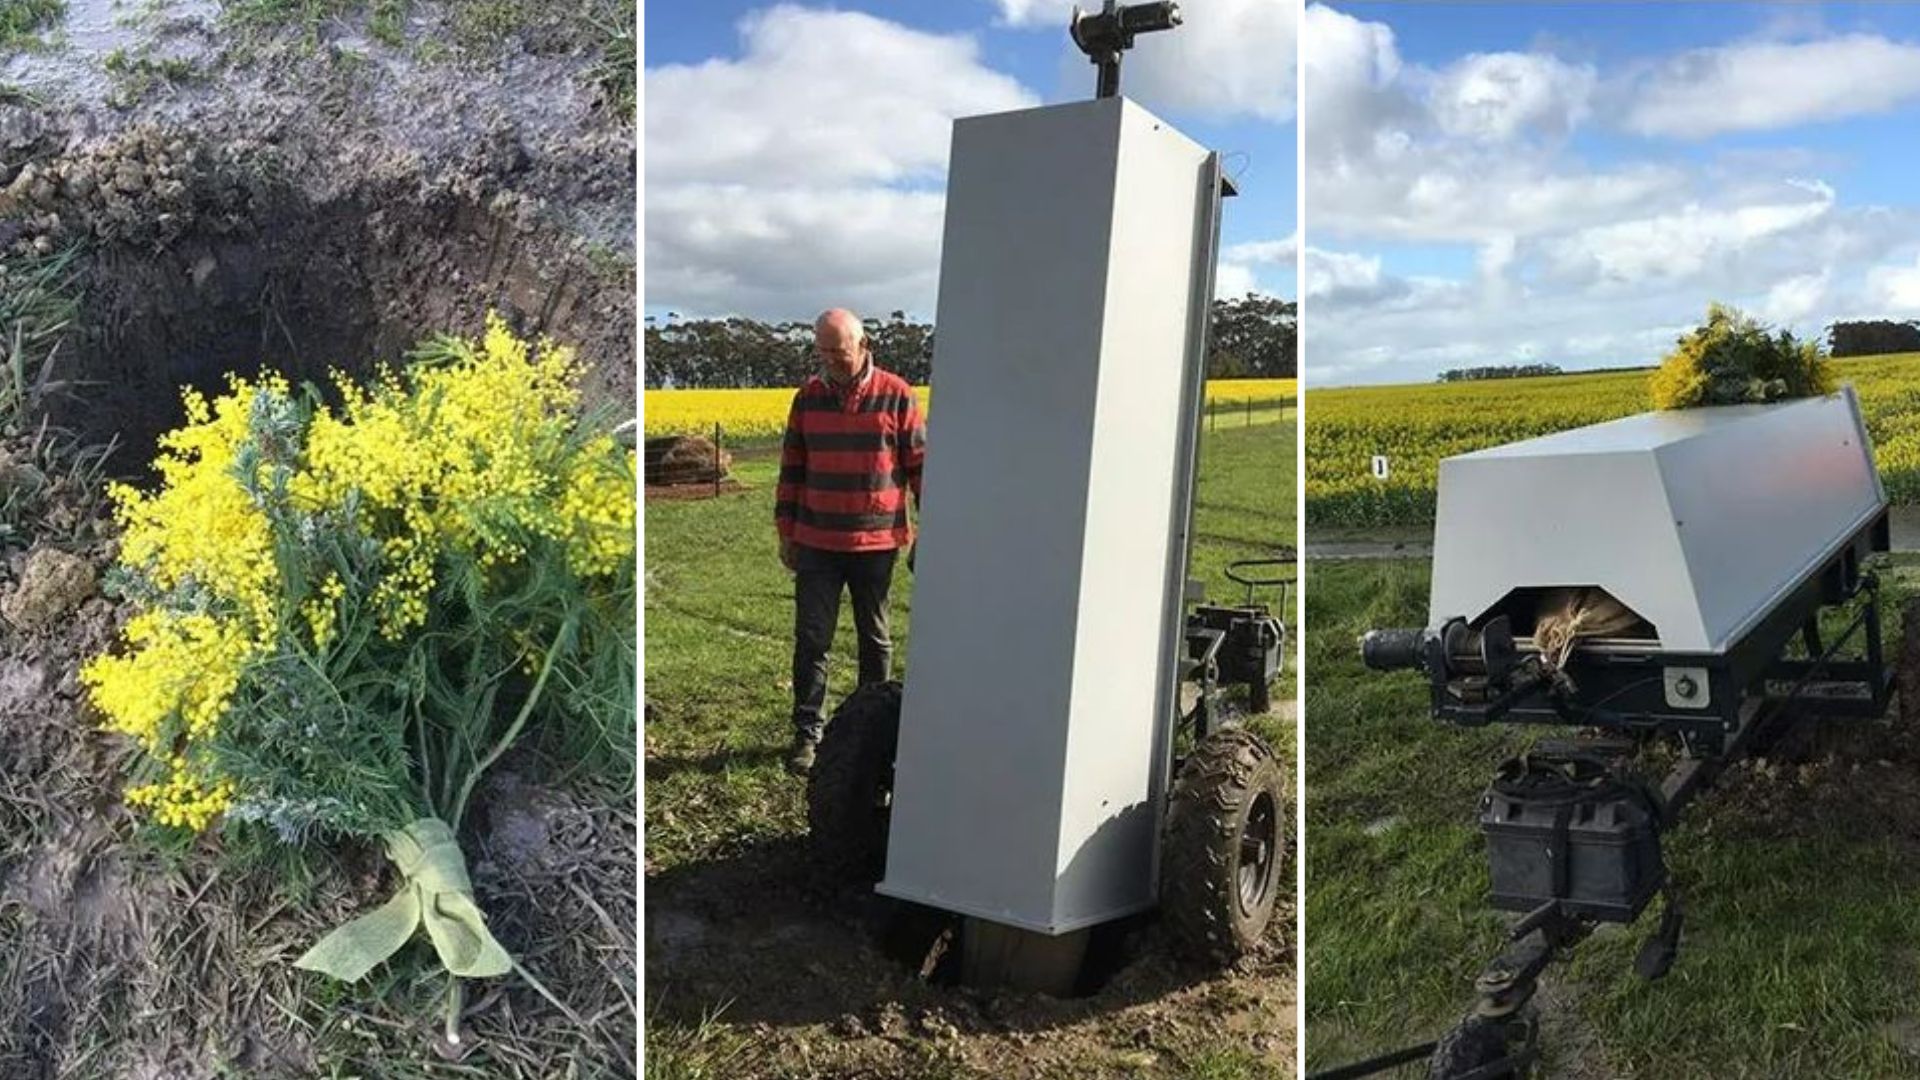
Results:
<point x="1251" y="389"/>
<point x="762" y="413"/>
<point x="1417" y="425"/>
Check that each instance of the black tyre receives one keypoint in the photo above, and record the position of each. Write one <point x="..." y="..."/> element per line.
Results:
<point x="850" y="787"/>
<point x="1227" y="860"/>
<point x="1473" y="1045"/>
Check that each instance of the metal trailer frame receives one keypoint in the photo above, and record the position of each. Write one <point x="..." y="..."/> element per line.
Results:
<point x="1478" y="675"/>
<point x="1624" y="685"/>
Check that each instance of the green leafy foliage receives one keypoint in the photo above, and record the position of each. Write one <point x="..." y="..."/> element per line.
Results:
<point x="1731" y="359"/>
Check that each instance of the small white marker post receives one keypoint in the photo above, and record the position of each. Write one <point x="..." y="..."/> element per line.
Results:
<point x="1379" y="466"/>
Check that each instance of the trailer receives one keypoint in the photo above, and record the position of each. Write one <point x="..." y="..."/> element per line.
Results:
<point x="1055" y="759"/>
<point x="1701" y="579"/>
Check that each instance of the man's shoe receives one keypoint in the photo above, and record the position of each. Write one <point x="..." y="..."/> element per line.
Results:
<point x="800" y="755"/>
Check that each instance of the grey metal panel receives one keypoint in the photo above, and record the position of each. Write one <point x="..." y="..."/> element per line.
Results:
<point x="1110" y="815"/>
<point x="1214" y="189"/>
<point x="1024" y="774"/>
<point x="1507" y="522"/>
<point x="1698" y="520"/>
<point x="1766" y="503"/>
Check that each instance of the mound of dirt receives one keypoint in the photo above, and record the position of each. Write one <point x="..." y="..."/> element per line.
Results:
<point x="52" y="583"/>
<point x="685" y="459"/>
<point x="750" y="952"/>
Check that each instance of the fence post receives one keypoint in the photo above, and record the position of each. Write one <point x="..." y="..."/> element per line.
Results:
<point x="716" y="459"/>
<point x="1249" y="412"/>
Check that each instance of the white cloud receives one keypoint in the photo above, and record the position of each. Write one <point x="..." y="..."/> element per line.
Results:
<point x="1762" y="85"/>
<point x="1228" y="58"/>
<point x="1495" y="256"/>
<point x="1564" y="260"/>
<point x="1233" y="280"/>
<point x="1239" y="271"/>
<point x="1039" y="12"/>
<point x="1496" y="96"/>
<point x="1681" y="245"/>
<point x="1895" y="288"/>
<point x="1341" y="278"/>
<point x="791" y="253"/>
<point x="1398" y="151"/>
<point x="820" y="96"/>
<point x="1350" y="68"/>
<point x="780" y="182"/>
<point x="1798" y="266"/>
<point x="1796" y="298"/>
<point x="1278" y="252"/>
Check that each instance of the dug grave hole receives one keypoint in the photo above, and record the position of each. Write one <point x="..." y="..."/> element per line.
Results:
<point x="194" y="260"/>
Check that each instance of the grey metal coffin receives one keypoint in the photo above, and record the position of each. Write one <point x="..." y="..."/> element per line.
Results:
<point x="1032" y="755"/>
<point x="1699" y="520"/>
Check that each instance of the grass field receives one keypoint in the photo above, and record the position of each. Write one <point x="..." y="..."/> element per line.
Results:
<point x="1417" y="425"/>
<point x="747" y="974"/>
<point x="1800" y="950"/>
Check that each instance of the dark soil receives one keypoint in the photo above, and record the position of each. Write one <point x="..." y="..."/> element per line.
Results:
<point x="315" y="201"/>
<point x="820" y="975"/>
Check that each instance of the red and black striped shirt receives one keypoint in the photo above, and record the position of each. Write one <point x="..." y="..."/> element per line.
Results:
<point x="850" y="457"/>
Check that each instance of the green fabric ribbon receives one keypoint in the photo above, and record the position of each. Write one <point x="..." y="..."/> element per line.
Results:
<point x="434" y="890"/>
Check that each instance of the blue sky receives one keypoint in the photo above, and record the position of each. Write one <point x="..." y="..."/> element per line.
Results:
<point x="1572" y="184"/>
<point x="795" y="153"/>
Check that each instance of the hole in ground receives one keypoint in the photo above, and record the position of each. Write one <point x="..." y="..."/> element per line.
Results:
<point x="934" y="944"/>
<point x="306" y="286"/>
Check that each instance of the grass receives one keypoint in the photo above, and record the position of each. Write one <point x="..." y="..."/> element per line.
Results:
<point x="38" y="300"/>
<point x="23" y="21"/>
<point x="386" y="19"/>
<point x="719" y="638"/>
<point x="135" y="75"/>
<point x="1799" y="952"/>
<point x="718" y="650"/>
<point x="619" y="65"/>
<point x="604" y="29"/>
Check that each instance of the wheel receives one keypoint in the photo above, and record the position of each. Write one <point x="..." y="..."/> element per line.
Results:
<point x="1473" y="1045"/>
<point x="1907" y="666"/>
<point x="850" y="787"/>
<point x="1229" y="843"/>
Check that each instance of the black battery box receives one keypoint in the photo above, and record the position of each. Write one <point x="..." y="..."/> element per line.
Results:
<point x="1572" y="828"/>
<point x="1251" y="651"/>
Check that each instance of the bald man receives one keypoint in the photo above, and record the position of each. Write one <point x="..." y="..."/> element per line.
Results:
<point x="854" y="445"/>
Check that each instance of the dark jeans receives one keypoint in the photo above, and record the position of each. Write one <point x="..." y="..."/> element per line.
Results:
<point x="819" y="577"/>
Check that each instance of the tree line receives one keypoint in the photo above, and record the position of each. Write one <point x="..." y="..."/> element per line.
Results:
<point x="1497" y="371"/>
<point x="1251" y="338"/>
<point x="1871" y="337"/>
<point x="1857" y="337"/>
